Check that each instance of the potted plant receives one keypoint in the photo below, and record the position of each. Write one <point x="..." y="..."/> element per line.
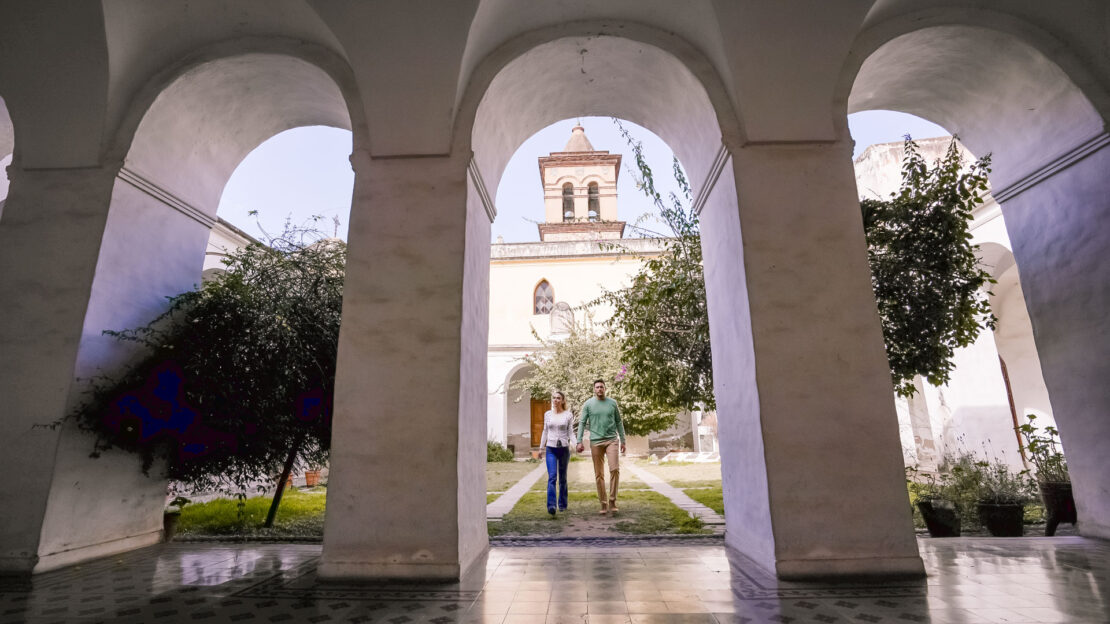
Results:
<point x="312" y="478"/>
<point x="1053" y="479"/>
<point x="933" y="499"/>
<point x="171" y="516"/>
<point x="1002" y="498"/>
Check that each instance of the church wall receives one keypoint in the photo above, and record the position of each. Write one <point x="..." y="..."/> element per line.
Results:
<point x="575" y="281"/>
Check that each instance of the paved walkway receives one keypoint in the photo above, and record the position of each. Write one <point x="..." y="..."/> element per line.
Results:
<point x="1064" y="579"/>
<point x="496" y="510"/>
<point x="710" y="518"/>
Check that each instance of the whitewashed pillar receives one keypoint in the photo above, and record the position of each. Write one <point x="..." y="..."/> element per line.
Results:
<point x="812" y="464"/>
<point x="406" y="492"/>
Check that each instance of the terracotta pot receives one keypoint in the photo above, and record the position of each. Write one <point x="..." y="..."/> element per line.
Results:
<point x="312" y="478"/>
<point x="941" y="517"/>
<point x="1002" y="520"/>
<point x="1059" y="505"/>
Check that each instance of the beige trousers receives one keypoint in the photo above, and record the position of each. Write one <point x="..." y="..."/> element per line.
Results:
<point x="609" y="449"/>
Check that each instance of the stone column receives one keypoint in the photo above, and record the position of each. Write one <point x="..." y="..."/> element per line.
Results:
<point x="812" y="464"/>
<point x="1058" y="219"/>
<point x="49" y="241"/>
<point x="406" y="492"/>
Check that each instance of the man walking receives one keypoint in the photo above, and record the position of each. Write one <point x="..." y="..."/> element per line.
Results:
<point x="603" y="418"/>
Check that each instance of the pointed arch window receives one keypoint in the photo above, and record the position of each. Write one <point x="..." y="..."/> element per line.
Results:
<point x="568" y="202"/>
<point x="543" y="300"/>
<point x="594" y="213"/>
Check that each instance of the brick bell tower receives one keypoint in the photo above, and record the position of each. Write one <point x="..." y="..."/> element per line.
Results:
<point x="580" y="192"/>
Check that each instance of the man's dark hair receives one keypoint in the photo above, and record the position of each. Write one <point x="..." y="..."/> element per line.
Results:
<point x="599" y="381"/>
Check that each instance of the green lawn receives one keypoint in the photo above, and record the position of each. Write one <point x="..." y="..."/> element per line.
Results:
<point x="500" y="476"/>
<point x="711" y="497"/>
<point x="301" y="514"/>
<point x="492" y="496"/>
<point x="685" y="474"/>
<point x="641" y="512"/>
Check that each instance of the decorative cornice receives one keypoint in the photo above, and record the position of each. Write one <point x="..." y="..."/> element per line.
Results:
<point x="1059" y="164"/>
<point x="136" y="180"/>
<point x="480" y="185"/>
<point x="719" y="162"/>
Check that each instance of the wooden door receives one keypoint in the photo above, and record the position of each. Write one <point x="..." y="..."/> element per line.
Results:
<point x="539" y="407"/>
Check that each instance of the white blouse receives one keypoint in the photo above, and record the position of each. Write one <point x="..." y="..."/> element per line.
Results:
<point x="558" y="429"/>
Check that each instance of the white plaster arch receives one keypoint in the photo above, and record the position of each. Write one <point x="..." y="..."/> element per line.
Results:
<point x="193" y="123"/>
<point x="593" y="68"/>
<point x="996" y="258"/>
<point x="890" y="19"/>
<point x="977" y="82"/>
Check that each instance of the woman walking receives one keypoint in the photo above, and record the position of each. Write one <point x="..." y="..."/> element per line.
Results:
<point x="557" y="440"/>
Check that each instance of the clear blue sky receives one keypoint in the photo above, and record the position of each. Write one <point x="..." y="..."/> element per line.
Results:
<point x="305" y="172"/>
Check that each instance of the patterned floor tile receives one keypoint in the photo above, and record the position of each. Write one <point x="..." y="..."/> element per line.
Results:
<point x="970" y="580"/>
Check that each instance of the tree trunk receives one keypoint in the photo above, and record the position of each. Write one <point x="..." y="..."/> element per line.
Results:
<point x="289" y="461"/>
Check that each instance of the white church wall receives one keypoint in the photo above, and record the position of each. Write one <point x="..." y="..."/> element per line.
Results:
<point x="575" y="278"/>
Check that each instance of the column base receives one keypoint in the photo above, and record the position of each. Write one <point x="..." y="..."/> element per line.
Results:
<point x="17" y="566"/>
<point x="53" y="561"/>
<point x="869" y="567"/>
<point x="400" y="570"/>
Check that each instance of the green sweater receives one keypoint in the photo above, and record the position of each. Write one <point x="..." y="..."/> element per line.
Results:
<point x="603" y="417"/>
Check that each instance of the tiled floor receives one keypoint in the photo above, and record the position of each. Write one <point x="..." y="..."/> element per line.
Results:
<point x="970" y="580"/>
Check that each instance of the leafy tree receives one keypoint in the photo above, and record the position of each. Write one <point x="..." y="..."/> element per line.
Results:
<point x="571" y="364"/>
<point x="927" y="280"/>
<point x="661" y="319"/>
<point x="238" y="374"/>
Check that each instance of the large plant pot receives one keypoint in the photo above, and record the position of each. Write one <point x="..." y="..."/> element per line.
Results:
<point x="1059" y="505"/>
<point x="169" y="524"/>
<point x="312" y="478"/>
<point x="941" y="517"/>
<point x="1002" y="520"/>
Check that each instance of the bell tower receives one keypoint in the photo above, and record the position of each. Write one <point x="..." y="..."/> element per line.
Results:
<point x="580" y="192"/>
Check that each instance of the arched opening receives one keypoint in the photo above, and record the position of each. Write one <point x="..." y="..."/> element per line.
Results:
<point x="571" y="258"/>
<point x="593" y="212"/>
<point x="568" y="202"/>
<point x="521" y="411"/>
<point x="187" y="141"/>
<point x="609" y="75"/>
<point x="1003" y="95"/>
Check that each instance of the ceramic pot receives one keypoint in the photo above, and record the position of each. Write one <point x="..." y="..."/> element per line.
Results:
<point x="1002" y="519"/>
<point x="941" y="517"/>
<point x="1059" y="505"/>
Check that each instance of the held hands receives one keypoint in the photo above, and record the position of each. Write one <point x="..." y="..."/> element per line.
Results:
<point x="622" y="448"/>
<point x="580" y="447"/>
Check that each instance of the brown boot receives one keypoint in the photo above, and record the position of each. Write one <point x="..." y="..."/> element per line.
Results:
<point x="603" y="511"/>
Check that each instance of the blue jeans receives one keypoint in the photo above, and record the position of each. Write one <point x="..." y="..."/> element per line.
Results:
<point x="557" y="459"/>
